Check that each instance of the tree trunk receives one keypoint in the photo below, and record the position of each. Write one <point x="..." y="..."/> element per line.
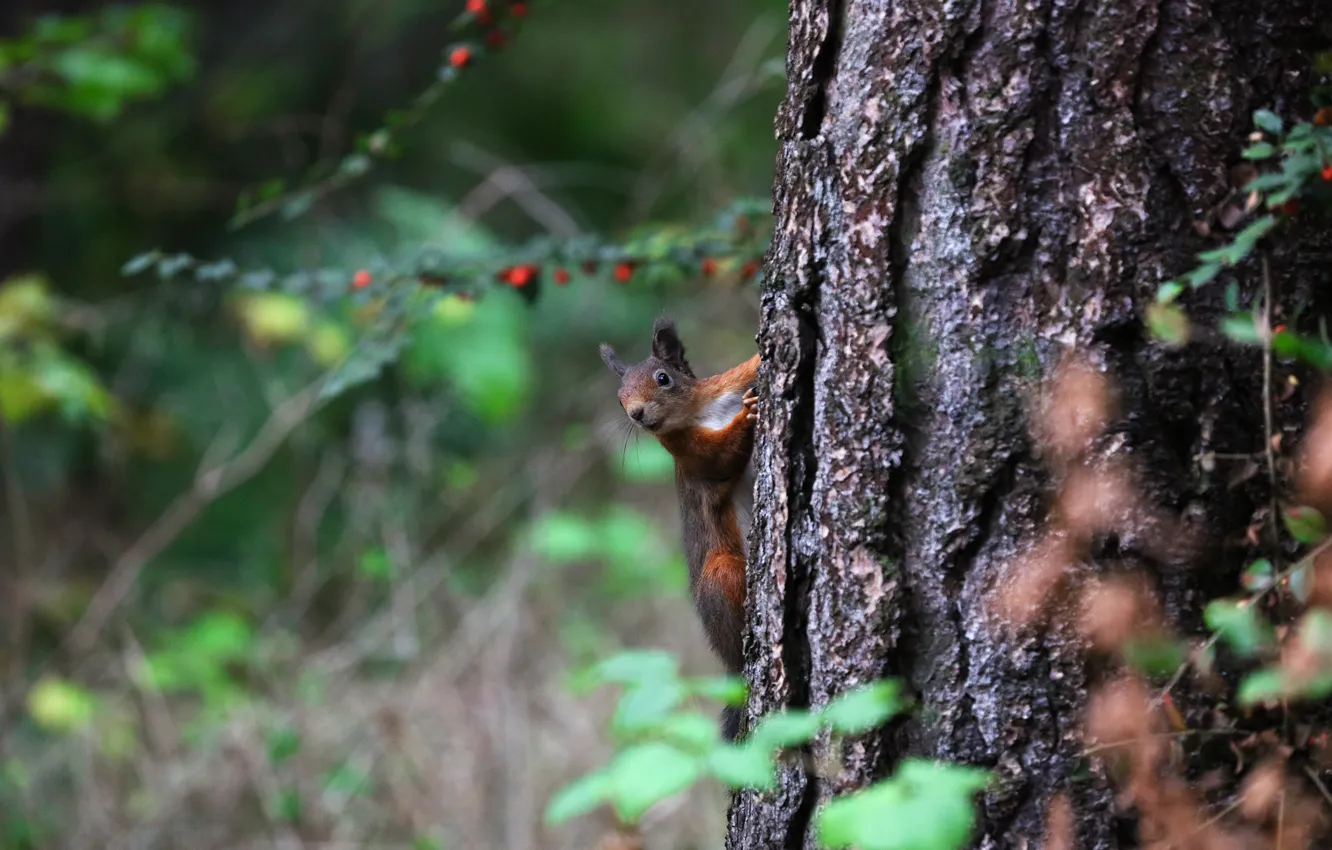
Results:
<point x="965" y="190"/>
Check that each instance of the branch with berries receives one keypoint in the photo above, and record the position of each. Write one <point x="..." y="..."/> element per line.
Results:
<point x="310" y="306"/>
<point x="484" y="28"/>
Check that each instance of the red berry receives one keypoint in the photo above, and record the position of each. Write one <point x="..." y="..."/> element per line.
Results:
<point x="361" y="279"/>
<point x="1327" y="173"/>
<point x="623" y="272"/>
<point x="708" y="267"/>
<point x="460" y="57"/>
<point x="1290" y="207"/>
<point x="520" y="276"/>
<point x="494" y="39"/>
<point x="747" y="271"/>
<point x="1279" y="329"/>
<point x="561" y="276"/>
<point x="518" y="10"/>
<point x="1323" y="117"/>
<point x="479" y="10"/>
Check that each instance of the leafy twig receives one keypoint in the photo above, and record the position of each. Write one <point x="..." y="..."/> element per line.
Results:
<point x="1277" y="579"/>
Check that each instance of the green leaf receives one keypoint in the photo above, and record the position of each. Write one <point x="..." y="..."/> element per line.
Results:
<point x="1305" y="524"/>
<point x="786" y="728"/>
<point x="1255" y="230"/>
<point x="347" y="781"/>
<point x="1232" y="296"/>
<point x="273" y="317"/>
<point x="374" y="564"/>
<point x="60" y="706"/>
<point x="354" y="165"/>
<point x="865" y="708"/>
<point x="1156" y="655"/>
<point x="691" y="730"/>
<point x="926" y="806"/>
<point x="579" y="797"/>
<point x="219" y="635"/>
<point x="1300" y="582"/>
<point x="288" y="806"/>
<point x="1169" y="291"/>
<point x="634" y="666"/>
<point x="1261" y="686"/>
<point x="1261" y="150"/>
<point x="1267" y="182"/>
<point x="744" y="766"/>
<point x="1276" y="199"/>
<point x="646" y="704"/>
<point x="1239" y="625"/>
<point x="1293" y="346"/>
<point x="648" y="773"/>
<point x="729" y="690"/>
<point x="1242" y="328"/>
<point x="564" y="538"/>
<point x="1257" y="576"/>
<point x="140" y="263"/>
<point x="1203" y="274"/>
<point x="283" y="743"/>
<point x="1168" y="323"/>
<point x="1267" y="121"/>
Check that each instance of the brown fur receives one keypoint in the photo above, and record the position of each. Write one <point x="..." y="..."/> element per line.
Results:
<point x="709" y="465"/>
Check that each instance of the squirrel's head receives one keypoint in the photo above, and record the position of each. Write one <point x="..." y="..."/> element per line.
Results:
<point x="657" y="393"/>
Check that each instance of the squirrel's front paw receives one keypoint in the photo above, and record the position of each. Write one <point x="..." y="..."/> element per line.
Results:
<point x="750" y="401"/>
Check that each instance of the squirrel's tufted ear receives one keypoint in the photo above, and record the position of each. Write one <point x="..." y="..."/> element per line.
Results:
<point x="608" y="355"/>
<point x="666" y="345"/>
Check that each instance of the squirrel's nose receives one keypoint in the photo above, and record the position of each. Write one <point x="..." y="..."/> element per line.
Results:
<point x="636" y="413"/>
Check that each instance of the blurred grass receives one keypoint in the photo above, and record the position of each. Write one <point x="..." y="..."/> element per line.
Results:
<point x="367" y="642"/>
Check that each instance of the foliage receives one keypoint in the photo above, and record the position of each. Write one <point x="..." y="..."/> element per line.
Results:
<point x="37" y="373"/>
<point x="91" y="66"/>
<point x="666" y="746"/>
<point x="925" y="806"/>
<point x="1295" y="181"/>
<point x="1301" y="173"/>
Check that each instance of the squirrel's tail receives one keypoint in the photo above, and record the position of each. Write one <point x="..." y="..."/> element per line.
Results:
<point x="730" y="721"/>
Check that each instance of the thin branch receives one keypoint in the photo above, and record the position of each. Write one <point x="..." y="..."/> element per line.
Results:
<point x="506" y="180"/>
<point x="1322" y="789"/>
<point x="1185" y="733"/>
<point x="209" y="484"/>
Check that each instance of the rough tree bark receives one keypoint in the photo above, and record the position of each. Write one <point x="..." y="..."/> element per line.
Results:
<point x="964" y="189"/>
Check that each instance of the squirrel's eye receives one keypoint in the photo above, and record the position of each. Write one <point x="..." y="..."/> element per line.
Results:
<point x="663" y="380"/>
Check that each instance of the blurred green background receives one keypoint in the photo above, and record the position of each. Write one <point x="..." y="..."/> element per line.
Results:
<point x="368" y="640"/>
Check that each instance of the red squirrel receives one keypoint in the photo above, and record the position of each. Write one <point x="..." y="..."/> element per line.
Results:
<point x="708" y="427"/>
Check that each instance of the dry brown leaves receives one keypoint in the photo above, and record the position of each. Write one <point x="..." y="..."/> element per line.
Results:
<point x="1315" y="457"/>
<point x="1125" y="724"/>
<point x="1095" y="496"/>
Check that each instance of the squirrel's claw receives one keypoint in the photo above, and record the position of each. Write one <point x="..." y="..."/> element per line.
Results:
<point x="750" y="401"/>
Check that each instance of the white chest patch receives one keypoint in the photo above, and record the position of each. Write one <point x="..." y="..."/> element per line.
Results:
<point x="720" y="411"/>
